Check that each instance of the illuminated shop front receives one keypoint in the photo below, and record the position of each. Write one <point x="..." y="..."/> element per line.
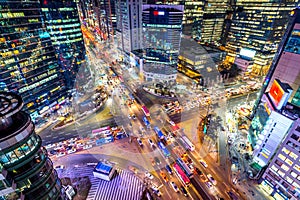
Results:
<point x="25" y="167"/>
<point x="28" y="65"/>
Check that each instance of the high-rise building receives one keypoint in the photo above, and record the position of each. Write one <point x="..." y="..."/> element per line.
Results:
<point x="213" y="20"/>
<point x="29" y="66"/>
<point x="162" y="27"/>
<point x="258" y="26"/>
<point x="129" y="24"/>
<point x="282" y="177"/>
<point x="26" y="171"/>
<point x="274" y="130"/>
<point x="63" y="25"/>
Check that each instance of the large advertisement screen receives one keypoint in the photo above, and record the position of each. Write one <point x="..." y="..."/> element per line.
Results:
<point x="276" y="93"/>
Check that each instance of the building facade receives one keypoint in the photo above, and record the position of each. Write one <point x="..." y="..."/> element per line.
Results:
<point x="162" y="27"/>
<point x="26" y="171"/>
<point x="282" y="177"/>
<point x="63" y="25"/>
<point x="29" y="66"/>
<point x="129" y="25"/>
<point x="274" y="130"/>
<point x="258" y="25"/>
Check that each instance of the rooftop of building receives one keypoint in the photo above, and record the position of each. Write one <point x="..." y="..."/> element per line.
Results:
<point x="191" y="50"/>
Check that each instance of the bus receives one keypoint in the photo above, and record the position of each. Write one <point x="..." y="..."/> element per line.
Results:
<point x="164" y="149"/>
<point x="159" y="132"/>
<point x="131" y="97"/>
<point x="146" y="122"/>
<point x="184" y="167"/>
<point x="104" y="130"/>
<point x="181" y="174"/>
<point x="146" y="111"/>
<point x="188" y="143"/>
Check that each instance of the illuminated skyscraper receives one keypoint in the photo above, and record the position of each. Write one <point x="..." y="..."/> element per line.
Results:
<point x="213" y="20"/>
<point x="259" y="26"/>
<point x="29" y="66"/>
<point x="26" y="172"/>
<point x="162" y="27"/>
<point x="274" y="130"/>
<point x="63" y="25"/>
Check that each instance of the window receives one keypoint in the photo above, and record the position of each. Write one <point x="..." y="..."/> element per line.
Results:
<point x="289" y="180"/>
<point x="285" y="150"/>
<point x="281" y="173"/>
<point x="295" y="137"/>
<point x="297" y="167"/>
<point x="282" y="157"/>
<point x="279" y="163"/>
<point x="293" y="155"/>
<point x="285" y="167"/>
<point x="274" y="168"/>
<point x="288" y="161"/>
<point x="293" y="174"/>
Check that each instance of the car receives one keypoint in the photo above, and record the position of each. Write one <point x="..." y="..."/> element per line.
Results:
<point x="171" y="122"/>
<point x="152" y="161"/>
<point x="60" y="154"/>
<point x="129" y="116"/>
<point x="174" y="186"/>
<point x="149" y="175"/>
<point x="133" y="169"/>
<point x="49" y="146"/>
<point x="203" y="163"/>
<point x="183" y="190"/>
<point x="157" y="161"/>
<point x="59" y="167"/>
<point x="156" y="190"/>
<point x="198" y="171"/>
<point x="208" y="184"/>
<point x="87" y="146"/>
<point x="209" y="176"/>
<point x="139" y="141"/>
<point x="142" y="129"/>
<point x="73" y="150"/>
<point x="163" y="175"/>
<point x="133" y="116"/>
<point x="168" y="168"/>
<point x="151" y="143"/>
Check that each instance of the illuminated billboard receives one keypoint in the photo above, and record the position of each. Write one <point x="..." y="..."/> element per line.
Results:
<point x="279" y="93"/>
<point x="247" y="53"/>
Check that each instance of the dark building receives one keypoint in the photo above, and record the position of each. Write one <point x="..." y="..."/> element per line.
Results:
<point x="29" y="66"/>
<point x="63" y="25"/>
<point x="26" y="171"/>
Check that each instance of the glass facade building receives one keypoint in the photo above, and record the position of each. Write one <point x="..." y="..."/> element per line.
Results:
<point x="63" y="25"/>
<point x="258" y="25"/>
<point x="29" y="66"/>
<point x="162" y="27"/>
<point x="26" y="171"/>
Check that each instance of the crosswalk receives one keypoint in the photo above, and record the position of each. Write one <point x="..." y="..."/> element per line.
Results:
<point x="123" y="185"/>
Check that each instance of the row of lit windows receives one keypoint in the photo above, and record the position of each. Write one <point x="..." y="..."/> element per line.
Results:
<point x="67" y="41"/>
<point x="65" y="31"/>
<point x="20" y="151"/>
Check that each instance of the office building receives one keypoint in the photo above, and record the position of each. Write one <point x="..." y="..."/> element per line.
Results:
<point x="198" y="61"/>
<point x="213" y="21"/>
<point x="29" y="66"/>
<point x="282" y="177"/>
<point x="26" y="171"/>
<point x="259" y="26"/>
<point x="129" y="25"/>
<point x="274" y="130"/>
<point x="162" y="27"/>
<point x="63" y="25"/>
